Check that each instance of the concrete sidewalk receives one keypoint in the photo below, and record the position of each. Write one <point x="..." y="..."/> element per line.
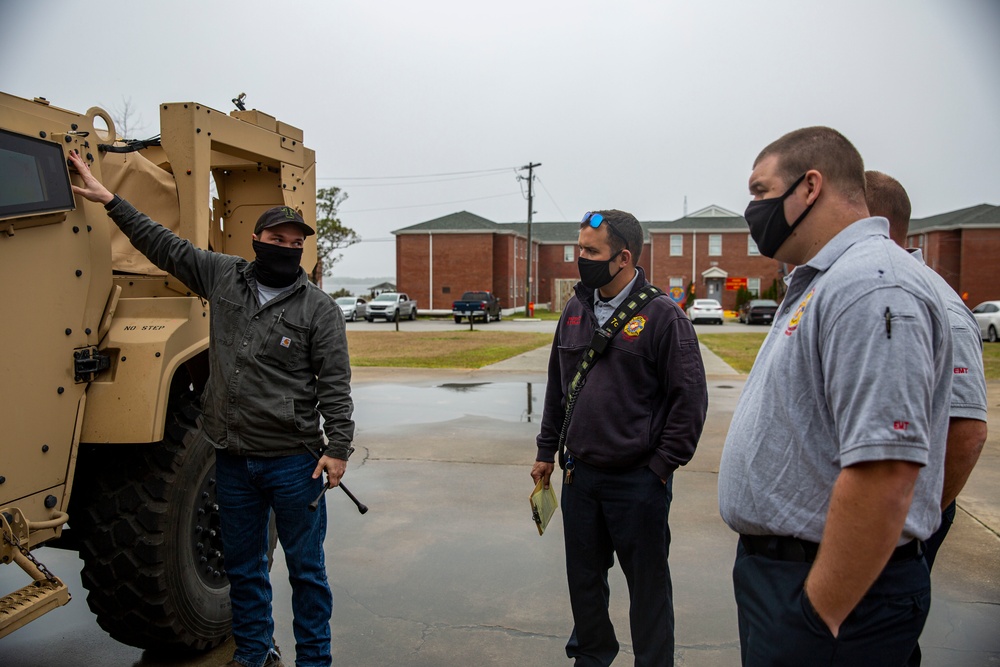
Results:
<point x="537" y="360"/>
<point x="447" y="569"/>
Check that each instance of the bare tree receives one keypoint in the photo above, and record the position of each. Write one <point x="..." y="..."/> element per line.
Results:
<point x="128" y="121"/>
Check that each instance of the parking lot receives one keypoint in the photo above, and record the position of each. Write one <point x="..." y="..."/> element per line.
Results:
<point x="520" y="323"/>
<point x="447" y="569"/>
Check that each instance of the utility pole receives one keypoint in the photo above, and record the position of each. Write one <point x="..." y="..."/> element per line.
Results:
<point x="527" y="279"/>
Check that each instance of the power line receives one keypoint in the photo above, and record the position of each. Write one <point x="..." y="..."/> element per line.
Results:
<point x="440" y="203"/>
<point x="542" y="183"/>
<point x="392" y="185"/>
<point x="386" y="178"/>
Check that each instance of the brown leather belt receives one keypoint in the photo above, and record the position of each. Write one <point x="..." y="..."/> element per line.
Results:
<point x="783" y="547"/>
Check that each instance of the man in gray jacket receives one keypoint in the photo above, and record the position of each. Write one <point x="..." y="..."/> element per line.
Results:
<point x="278" y="360"/>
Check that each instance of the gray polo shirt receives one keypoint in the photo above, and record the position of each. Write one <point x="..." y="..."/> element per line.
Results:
<point x="605" y="309"/>
<point x="855" y="368"/>
<point x="968" y="385"/>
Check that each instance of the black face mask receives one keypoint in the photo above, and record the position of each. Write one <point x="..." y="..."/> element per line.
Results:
<point x="768" y="225"/>
<point x="276" y="266"/>
<point x="596" y="273"/>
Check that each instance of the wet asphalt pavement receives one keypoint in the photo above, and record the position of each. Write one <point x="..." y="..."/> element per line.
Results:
<point x="447" y="569"/>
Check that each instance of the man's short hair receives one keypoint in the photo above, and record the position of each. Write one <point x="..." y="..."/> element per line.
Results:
<point x="629" y="228"/>
<point x="825" y="150"/>
<point x="888" y="198"/>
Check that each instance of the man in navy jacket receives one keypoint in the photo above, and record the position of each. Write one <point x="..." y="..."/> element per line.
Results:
<point x="637" y="418"/>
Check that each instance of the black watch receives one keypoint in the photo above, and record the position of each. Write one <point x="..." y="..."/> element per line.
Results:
<point x="114" y="202"/>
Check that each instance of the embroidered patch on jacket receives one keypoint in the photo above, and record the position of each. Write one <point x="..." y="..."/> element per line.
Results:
<point x="635" y="326"/>
<point x="573" y="321"/>
<point x="793" y="323"/>
<point x="286" y="341"/>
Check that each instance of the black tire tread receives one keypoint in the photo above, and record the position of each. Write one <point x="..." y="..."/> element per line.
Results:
<point x="123" y="515"/>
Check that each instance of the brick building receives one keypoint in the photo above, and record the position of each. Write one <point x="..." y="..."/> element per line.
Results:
<point x="964" y="247"/>
<point x="439" y="259"/>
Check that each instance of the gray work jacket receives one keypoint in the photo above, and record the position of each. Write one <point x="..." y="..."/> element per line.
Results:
<point x="274" y="369"/>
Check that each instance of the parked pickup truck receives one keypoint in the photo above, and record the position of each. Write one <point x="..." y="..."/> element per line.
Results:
<point x="391" y="306"/>
<point x="482" y="305"/>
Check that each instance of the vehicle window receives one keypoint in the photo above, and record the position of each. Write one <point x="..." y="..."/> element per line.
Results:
<point x="33" y="176"/>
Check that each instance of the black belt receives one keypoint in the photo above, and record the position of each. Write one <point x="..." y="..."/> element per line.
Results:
<point x="783" y="547"/>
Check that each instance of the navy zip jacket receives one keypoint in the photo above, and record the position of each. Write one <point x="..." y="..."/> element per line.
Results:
<point x="644" y="401"/>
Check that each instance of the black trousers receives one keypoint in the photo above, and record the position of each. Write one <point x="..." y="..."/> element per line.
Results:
<point x="624" y="512"/>
<point x="779" y="628"/>
<point x="933" y="544"/>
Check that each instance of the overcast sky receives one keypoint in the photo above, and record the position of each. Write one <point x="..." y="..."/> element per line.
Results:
<point x="627" y="104"/>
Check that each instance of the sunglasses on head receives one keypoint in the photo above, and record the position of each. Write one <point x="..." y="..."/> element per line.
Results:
<point x="595" y="220"/>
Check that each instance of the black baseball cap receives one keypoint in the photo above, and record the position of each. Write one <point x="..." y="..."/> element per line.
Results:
<point x="279" y="215"/>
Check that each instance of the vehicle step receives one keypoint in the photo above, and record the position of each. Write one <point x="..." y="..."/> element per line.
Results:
<point x="28" y="603"/>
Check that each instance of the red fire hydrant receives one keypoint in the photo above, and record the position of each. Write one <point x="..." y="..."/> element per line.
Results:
<point x="531" y="309"/>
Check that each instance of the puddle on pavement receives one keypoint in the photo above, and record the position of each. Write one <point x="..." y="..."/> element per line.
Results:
<point x="397" y="405"/>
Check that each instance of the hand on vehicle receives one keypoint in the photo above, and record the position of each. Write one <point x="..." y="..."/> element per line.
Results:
<point x="542" y="470"/>
<point x="92" y="188"/>
<point x="334" y="468"/>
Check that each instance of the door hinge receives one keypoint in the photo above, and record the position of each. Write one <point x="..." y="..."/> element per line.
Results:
<point x="87" y="363"/>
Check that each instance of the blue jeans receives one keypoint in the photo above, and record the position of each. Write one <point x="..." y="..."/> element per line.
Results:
<point x="625" y="512"/>
<point x="248" y="489"/>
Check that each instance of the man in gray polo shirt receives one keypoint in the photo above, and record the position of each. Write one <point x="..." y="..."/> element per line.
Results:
<point x="833" y="465"/>
<point x="886" y="197"/>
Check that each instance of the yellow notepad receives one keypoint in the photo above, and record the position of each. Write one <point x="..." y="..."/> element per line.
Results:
<point x="543" y="505"/>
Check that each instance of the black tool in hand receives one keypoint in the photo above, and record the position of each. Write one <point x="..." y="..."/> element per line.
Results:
<point x="314" y="505"/>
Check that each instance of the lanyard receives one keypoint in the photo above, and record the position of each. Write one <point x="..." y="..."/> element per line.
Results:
<point x="599" y="343"/>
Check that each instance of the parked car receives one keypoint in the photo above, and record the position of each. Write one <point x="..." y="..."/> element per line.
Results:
<point x="353" y="307"/>
<point x="391" y="306"/>
<point x="706" y="310"/>
<point x="758" y="310"/>
<point x="477" y="305"/>
<point x="988" y="315"/>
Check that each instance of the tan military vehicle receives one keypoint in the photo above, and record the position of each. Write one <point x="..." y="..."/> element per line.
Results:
<point x="105" y="357"/>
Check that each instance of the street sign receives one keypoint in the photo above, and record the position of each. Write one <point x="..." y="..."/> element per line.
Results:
<point x="733" y="284"/>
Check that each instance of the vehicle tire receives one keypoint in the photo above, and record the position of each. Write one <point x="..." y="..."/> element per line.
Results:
<point x="370" y="319"/>
<point x="458" y="319"/>
<point x="991" y="334"/>
<point x="413" y="314"/>
<point x="487" y="318"/>
<point x="354" y="317"/>
<point x="499" y="315"/>
<point x="148" y="518"/>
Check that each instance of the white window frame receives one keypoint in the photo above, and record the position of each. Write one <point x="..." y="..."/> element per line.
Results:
<point x="715" y="240"/>
<point x="676" y="282"/>
<point x="677" y="239"/>
<point x="569" y="253"/>
<point x="752" y="249"/>
<point x="753" y="286"/>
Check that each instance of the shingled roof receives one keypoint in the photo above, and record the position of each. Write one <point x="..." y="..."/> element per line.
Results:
<point x="463" y="221"/>
<point x="983" y="215"/>
<point x="705" y="220"/>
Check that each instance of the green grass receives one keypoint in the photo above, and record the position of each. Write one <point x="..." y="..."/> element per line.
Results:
<point x="451" y="349"/>
<point x="540" y="314"/>
<point x="740" y="350"/>
<point x="991" y="360"/>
